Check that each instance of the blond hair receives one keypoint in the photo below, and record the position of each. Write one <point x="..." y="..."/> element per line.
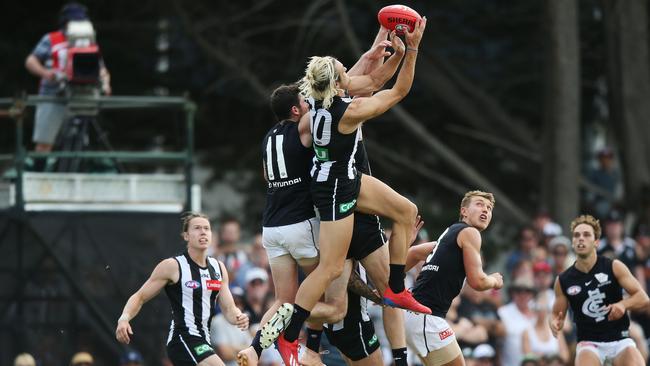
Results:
<point x="24" y="359"/>
<point x="320" y="79"/>
<point x="589" y="220"/>
<point x="186" y="217"/>
<point x="469" y="195"/>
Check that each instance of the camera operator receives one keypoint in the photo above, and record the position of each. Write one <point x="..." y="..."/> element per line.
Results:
<point x="49" y="61"/>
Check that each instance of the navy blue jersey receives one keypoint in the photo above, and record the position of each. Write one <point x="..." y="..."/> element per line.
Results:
<point x="443" y="273"/>
<point x="589" y="294"/>
<point x="286" y="164"/>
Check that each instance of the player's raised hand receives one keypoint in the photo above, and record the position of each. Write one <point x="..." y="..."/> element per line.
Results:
<point x="123" y="331"/>
<point x="397" y="43"/>
<point x="241" y="321"/>
<point x="379" y="50"/>
<point x="413" y="38"/>
<point x="416" y="229"/>
<point x="616" y="311"/>
<point x="556" y="323"/>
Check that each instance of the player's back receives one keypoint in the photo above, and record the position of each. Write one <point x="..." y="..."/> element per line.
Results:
<point x="286" y="164"/>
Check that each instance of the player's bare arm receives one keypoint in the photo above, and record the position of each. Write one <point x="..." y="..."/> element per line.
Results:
<point x="166" y="272"/>
<point x="374" y="57"/>
<point x="469" y="240"/>
<point x="304" y="130"/>
<point x="231" y="312"/>
<point x="418" y="253"/>
<point x="637" y="298"/>
<point x="361" y="84"/>
<point x="560" y="306"/>
<point x="362" y="109"/>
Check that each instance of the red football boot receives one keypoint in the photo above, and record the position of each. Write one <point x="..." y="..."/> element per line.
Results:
<point x="288" y="351"/>
<point x="404" y="300"/>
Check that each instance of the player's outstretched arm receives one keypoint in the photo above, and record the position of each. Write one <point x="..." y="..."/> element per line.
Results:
<point x="637" y="300"/>
<point x="231" y="312"/>
<point x="374" y="57"/>
<point x="165" y="272"/>
<point x="469" y="240"/>
<point x="375" y="79"/>
<point x="362" y="109"/>
<point x="560" y="306"/>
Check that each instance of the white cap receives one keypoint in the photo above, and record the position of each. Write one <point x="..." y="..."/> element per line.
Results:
<point x="256" y="273"/>
<point x="484" y="351"/>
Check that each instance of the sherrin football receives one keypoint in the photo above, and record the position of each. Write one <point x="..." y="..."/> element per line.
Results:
<point x="401" y="18"/>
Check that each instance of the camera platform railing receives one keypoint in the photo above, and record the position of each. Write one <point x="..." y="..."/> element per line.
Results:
<point x="76" y="244"/>
<point x="52" y="191"/>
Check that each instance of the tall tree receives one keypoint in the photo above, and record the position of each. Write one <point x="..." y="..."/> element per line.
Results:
<point x="626" y="28"/>
<point x="561" y="127"/>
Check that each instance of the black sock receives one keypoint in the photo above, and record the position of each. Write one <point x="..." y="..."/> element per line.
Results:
<point x="313" y="339"/>
<point x="256" y="344"/>
<point x="399" y="356"/>
<point x="396" y="278"/>
<point x="297" y="318"/>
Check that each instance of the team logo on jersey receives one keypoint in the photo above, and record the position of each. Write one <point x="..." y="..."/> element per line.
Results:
<point x="446" y="333"/>
<point x="199" y="350"/>
<point x="573" y="290"/>
<point x="594" y="306"/>
<point x="192" y="284"/>
<point x="345" y="207"/>
<point x="322" y="153"/>
<point x="601" y="277"/>
<point x="372" y="340"/>
<point x="217" y="276"/>
<point x="213" y="285"/>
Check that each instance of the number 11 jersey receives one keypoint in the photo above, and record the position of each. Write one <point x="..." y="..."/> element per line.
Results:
<point x="286" y="164"/>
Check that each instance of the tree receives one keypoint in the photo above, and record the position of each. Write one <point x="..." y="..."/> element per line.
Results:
<point x="561" y="125"/>
<point x="626" y="27"/>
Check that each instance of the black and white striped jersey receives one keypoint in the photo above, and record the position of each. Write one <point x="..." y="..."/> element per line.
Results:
<point x="193" y="297"/>
<point x="286" y="164"/>
<point x="357" y="306"/>
<point x="334" y="152"/>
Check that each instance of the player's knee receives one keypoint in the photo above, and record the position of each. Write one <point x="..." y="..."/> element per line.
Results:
<point x="341" y="308"/>
<point x="330" y="270"/>
<point x="408" y="212"/>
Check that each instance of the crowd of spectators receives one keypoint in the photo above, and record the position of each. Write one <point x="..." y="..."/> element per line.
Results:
<point x="506" y="327"/>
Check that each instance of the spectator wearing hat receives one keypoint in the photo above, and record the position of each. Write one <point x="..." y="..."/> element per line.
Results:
<point x="257" y="289"/>
<point x="517" y="316"/>
<point x="226" y="338"/>
<point x="543" y="279"/>
<point x="538" y="339"/>
<point x="560" y="253"/>
<point x="82" y="359"/>
<point x="616" y="245"/>
<point x="484" y="355"/>
<point x="24" y="359"/>
<point x="131" y="358"/>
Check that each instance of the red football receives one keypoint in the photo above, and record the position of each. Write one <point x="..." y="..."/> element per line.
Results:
<point x="401" y="18"/>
